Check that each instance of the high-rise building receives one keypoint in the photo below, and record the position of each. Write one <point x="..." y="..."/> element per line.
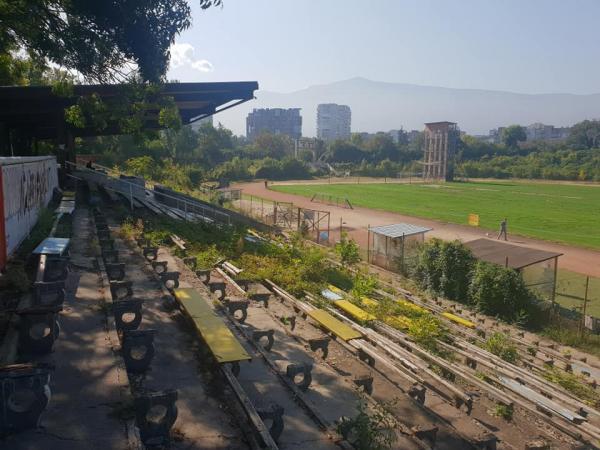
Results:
<point x="541" y="132"/>
<point x="333" y="121"/>
<point x="275" y="121"/>
<point x="439" y="147"/>
<point x="535" y="132"/>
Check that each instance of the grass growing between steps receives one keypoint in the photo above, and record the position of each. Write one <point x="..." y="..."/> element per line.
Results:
<point x="575" y="384"/>
<point x="292" y="264"/>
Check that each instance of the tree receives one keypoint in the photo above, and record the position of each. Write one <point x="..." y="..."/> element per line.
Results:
<point x="382" y="147"/>
<point x="99" y="39"/>
<point x="143" y="166"/>
<point x="273" y="145"/>
<point x="185" y="142"/>
<point x="211" y="143"/>
<point x="445" y="268"/>
<point x="585" y="135"/>
<point x="500" y="291"/>
<point x="512" y="135"/>
<point x="342" y="151"/>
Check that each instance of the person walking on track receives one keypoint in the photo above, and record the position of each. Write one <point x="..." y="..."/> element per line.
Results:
<point x="503" y="230"/>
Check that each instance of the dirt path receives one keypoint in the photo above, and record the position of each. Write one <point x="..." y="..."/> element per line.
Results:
<point x="358" y="219"/>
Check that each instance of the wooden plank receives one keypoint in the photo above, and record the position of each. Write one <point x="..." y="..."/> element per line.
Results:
<point x="332" y="324"/>
<point x="354" y="310"/>
<point x="178" y="241"/>
<point x="533" y="396"/>
<point x="219" y="338"/>
<point x="233" y="270"/>
<point x="253" y="417"/>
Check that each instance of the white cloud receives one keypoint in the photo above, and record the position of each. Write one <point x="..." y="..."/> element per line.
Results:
<point x="203" y="65"/>
<point x="182" y="55"/>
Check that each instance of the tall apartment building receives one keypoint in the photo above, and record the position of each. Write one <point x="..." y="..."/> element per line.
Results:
<point x="535" y="132"/>
<point x="541" y="132"/>
<point x="333" y="121"/>
<point x="441" y="139"/>
<point x="275" y="121"/>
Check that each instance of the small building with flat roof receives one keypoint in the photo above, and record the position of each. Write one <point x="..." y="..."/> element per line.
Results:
<point x="538" y="267"/>
<point x="394" y="246"/>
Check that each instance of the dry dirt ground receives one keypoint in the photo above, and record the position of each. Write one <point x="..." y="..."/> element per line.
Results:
<point x="355" y="222"/>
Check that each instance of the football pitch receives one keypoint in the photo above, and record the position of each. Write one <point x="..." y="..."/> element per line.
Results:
<point x="564" y="213"/>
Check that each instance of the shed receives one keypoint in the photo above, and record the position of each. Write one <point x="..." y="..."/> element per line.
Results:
<point x="538" y="267"/>
<point x="393" y="246"/>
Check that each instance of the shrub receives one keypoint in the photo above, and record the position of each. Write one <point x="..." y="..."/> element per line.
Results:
<point x="15" y="279"/>
<point x="499" y="291"/>
<point x="426" y="330"/>
<point x="500" y="345"/>
<point x="347" y="250"/>
<point x="444" y="268"/>
<point x="504" y="411"/>
<point x="369" y="430"/>
<point x="363" y="285"/>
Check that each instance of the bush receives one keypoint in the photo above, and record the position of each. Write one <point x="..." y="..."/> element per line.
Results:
<point x="295" y="268"/>
<point x="504" y="411"/>
<point x="347" y="250"/>
<point x="426" y="330"/>
<point x="369" y="430"/>
<point x="499" y="291"/>
<point x="363" y="285"/>
<point x="445" y="268"/>
<point x="449" y="269"/>
<point x="500" y="345"/>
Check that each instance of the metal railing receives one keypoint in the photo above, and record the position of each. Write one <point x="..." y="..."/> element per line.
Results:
<point x="187" y="206"/>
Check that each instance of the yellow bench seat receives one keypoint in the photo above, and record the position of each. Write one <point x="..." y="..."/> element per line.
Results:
<point x="340" y="329"/>
<point x="354" y="310"/>
<point x="458" y="320"/>
<point x="222" y="343"/>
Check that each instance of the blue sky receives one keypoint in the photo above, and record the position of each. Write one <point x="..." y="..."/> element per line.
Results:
<point x="528" y="46"/>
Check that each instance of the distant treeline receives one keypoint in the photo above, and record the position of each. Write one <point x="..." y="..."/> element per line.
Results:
<point x="187" y="156"/>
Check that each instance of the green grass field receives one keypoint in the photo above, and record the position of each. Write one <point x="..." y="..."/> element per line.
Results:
<point x="568" y="214"/>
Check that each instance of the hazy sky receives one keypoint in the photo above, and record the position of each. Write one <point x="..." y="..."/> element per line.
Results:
<point x="528" y="46"/>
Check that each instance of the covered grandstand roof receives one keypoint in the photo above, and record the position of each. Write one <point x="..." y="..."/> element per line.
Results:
<point x="38" y="112"/>
<point x="510" y="255"/>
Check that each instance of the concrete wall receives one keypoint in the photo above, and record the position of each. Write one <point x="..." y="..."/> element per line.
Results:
<point x="26" y="187"/>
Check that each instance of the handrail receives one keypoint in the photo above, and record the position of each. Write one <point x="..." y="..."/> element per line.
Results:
<point x="225" y="218"/>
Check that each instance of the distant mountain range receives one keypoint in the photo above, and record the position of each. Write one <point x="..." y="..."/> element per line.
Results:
<point x="381" y="106"/>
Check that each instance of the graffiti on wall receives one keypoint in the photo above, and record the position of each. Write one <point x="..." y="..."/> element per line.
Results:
<point x="27" y="188"/>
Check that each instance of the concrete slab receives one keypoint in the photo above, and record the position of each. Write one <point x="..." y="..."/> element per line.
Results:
<point x="204" y="420"/>
<point x="89" y="387"/>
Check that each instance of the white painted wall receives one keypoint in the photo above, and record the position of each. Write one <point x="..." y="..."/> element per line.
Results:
<point x="27" y="185"/>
